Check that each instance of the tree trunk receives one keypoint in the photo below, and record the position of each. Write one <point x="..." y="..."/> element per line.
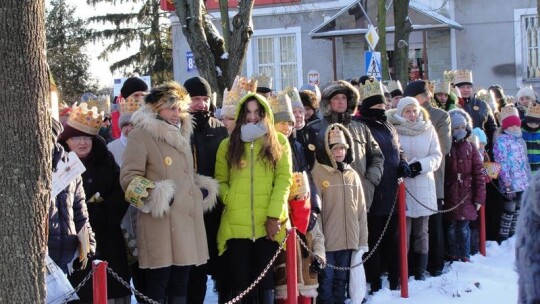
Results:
<point x="381" y="46"/>
<point x="401" y="50"/>
<point x="25" y="153"/>
<point x="217" y="62"/>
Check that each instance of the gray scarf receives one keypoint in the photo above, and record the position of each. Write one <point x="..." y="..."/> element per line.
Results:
<point x="250" y="131"/>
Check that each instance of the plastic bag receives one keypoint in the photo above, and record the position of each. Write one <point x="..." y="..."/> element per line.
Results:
<point x="58" y="285"/>
<point x="357" y="278"/>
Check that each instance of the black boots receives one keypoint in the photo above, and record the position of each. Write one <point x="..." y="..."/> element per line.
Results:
<point x="420" y="264"/>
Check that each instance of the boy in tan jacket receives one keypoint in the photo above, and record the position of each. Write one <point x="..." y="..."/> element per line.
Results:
<point x="343" y="216"/>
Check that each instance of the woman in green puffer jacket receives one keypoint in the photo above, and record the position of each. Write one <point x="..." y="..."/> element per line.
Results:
<point x="254" y="171"/>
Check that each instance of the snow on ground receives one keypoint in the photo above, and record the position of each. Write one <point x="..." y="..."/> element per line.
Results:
<point x="489" y="279"/>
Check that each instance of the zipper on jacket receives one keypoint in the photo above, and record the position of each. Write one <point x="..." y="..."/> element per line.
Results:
<point x="252" y="197"/>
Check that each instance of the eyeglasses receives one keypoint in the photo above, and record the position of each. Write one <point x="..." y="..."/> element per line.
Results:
<point x="79" y="139"/>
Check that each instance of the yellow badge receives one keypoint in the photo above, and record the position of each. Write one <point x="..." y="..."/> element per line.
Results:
<point x="325" y="184"/>
<point x="168" y="161"/>
<point x="243" y="163"/>
<point x="311" y="147"/>
<point x="476" y="108"/>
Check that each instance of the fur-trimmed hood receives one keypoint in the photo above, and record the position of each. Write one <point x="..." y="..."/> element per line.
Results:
<point x="336" y="87"/>
<point x="146" y="119"/>
<point x="349" y="157"/>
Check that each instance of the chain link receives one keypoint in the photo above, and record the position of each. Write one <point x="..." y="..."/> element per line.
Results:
<point x="128" y="286"/>
<point x="437" y="210"/>
<point x="259" y="278"/>
<point x="81" y="284"/>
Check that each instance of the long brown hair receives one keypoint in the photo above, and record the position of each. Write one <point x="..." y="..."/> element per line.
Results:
<point x="271" y="150"/>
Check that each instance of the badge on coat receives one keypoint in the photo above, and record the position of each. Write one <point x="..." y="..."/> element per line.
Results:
<point x="167" y="161"/>
<point x="311" y="147"/>
<point x="476" y="108"/>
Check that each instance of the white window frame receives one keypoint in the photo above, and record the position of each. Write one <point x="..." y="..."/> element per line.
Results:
<point x="520" y="47"/>
<point x="296" y="31"/>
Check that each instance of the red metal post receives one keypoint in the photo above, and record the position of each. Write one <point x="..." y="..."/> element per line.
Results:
<point x="99" y="281"/>
<point x="404" y="276"/>
<point x="290" y="262"/>
<point x="482" y="219"/>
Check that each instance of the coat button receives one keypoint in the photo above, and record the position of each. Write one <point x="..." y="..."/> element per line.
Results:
<point x="167" y="161"/>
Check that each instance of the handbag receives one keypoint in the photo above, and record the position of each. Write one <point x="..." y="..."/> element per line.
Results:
<point x="492" y="169"/>
<point x="59" y="289"/>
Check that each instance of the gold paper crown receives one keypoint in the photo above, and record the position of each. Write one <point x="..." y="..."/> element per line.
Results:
<point x="393" y="85"/>
<point x="463" y="76"/>
<point x="129" y="105"/>
<point x="336" y="136"/>
<point x="483" y="95"/>
<point x="440" y="86"/>
<point x="263" y="80"/>
<point x="85" y="120"/>
<point x="280" y="102"/>
<point x="533" y="110"/>
<point x="239" y="89"/>
<point x="372" y="87"/>
<point x="293" y="94"/>
<point x="300" y="186"/>
<point x="507" y="111"/>
<point x="101" y="102"/>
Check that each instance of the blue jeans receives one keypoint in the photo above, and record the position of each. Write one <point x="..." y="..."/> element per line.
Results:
<point x="459" y="239"/>
<point x="333" y="283"/>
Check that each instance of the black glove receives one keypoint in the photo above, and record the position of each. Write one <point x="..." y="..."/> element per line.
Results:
<point x="415" y="168"/>
<point x="204" y="193"/>
<point x="403" y="170"/>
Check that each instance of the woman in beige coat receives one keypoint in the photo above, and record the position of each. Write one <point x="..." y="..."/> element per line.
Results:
<point x="158" y="177"/>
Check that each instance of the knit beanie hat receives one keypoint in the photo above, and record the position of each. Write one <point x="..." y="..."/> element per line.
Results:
<point x="132" y="85"/>
<point x="509" y="116"/>
<point x="415" y="88"/>
<point x="280" y="104"/>
<point x="526" y="91"/>
<point x="457" y="118"/>
<point x="405" y="101"/>
<point x="198" y="86"/>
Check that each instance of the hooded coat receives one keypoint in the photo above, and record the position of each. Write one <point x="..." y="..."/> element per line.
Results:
<point x="161" y="153"/>
<point x="253" y="192"/>
<point x="464" y="177"/>
<point x="368" y="158"/>
<point x="420" y="143"/>
<point x="343" y="217"/>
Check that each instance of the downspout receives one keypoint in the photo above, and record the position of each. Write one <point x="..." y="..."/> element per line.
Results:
<point x="334" y="57"/>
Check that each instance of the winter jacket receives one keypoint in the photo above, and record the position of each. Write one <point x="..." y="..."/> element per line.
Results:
<point x="343" y="217"/>
<point x="173" y="232"/>
<point x="102" y="177"/>
<point x="441" y="121"/>
<point x="481" y="115"/>
<point x="205" y="140"/>
<point x="385" y="193"/>
<point x="528" y="245"/>
<point x="368" y="158"/>
<point x="532" y="140"/>
<point x="464" y="181"/>
<point x="67" y="216"/>
<point x="253" y="192"/>
<point x="420" y="143"/>
<point x="117" y="148"/>
<point x="511" y="153"/>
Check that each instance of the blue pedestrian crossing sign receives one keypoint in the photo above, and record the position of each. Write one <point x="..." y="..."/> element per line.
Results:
<point x="372" y="62"/>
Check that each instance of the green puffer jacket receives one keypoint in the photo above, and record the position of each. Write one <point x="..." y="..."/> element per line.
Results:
<point x="253" y="192"/>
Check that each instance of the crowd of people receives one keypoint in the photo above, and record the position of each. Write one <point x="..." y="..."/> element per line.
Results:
<point x="183" y="190"/>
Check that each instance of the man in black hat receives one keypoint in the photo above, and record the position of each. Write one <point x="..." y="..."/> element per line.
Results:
<point x="441" y="121"/>
<point x="207" y="135"/>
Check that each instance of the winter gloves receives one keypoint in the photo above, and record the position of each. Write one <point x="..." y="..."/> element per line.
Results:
<point x="404" y="170"/>
<point x="415" y="168"/>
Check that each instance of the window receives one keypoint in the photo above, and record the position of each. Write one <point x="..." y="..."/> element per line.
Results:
<point x="276" y="53"/>
<point x="527" y="36"/>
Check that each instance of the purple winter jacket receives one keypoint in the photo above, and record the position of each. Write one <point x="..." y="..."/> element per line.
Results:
<point x="463" y="175"/>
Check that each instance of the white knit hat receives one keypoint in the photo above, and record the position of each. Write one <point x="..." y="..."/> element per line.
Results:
<point x="405" y="101"/>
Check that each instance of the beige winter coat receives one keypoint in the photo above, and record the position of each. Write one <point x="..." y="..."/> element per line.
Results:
<point x="169" y="234"/>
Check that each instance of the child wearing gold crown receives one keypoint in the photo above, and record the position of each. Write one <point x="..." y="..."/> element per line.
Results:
<point x="530" y="128"/>
<point x="343" y="217"/>
<point x="509" y="150"/>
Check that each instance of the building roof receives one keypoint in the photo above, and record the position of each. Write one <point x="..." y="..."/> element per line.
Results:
<point x="353" y="19"/>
